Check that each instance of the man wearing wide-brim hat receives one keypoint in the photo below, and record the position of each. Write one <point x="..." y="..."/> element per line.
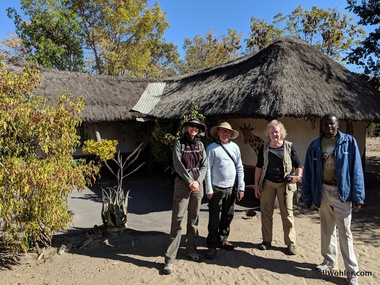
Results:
<point x="224" y="168"/>
<point x="226" y="126"/>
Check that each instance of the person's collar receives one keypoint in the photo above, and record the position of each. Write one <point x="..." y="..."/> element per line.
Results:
<point x="195" y="139"/>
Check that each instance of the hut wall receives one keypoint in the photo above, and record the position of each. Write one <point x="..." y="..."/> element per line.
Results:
<point x="112" y="131"/>
<point x="299" y="131"/>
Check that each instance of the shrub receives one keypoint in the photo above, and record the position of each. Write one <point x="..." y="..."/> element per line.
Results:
<point x="37" y="171"/>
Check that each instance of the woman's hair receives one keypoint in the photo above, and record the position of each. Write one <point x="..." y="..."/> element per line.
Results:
<point x="275" y="123"/>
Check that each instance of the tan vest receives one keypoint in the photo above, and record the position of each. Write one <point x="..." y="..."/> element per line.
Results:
<point x="287" y="162"/>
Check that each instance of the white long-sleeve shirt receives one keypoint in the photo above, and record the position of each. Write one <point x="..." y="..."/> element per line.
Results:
<point x="221" y="170"/>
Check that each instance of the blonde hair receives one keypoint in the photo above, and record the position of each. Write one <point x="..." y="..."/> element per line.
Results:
<point x="278" y="124"/>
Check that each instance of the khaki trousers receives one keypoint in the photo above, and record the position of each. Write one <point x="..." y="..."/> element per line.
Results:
<point x="285" y="199"/>
<point x="335" y="215"/>
<point x="184" y="201"/>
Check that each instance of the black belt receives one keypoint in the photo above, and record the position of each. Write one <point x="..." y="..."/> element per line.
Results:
<point x="329" y="183"/>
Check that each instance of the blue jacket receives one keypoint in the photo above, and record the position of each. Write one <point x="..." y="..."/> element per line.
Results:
<point x="348" y="171"/>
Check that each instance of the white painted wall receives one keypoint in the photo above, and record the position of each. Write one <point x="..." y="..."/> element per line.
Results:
<point x="300" y="132"/>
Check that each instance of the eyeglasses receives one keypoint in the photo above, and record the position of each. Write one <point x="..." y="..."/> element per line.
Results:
<point x="194" y="126"/>
<point x="224" y="131"/>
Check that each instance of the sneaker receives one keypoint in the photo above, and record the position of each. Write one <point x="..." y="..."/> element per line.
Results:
<point x="211" y="253"/>
<point x="168" y="268"/>
<point x="291" y="249"/>
<point x="326" y="267"/>
<point x="265" y="245"/>
<point x="227" y="245"/>
<point x="352" y="280"/>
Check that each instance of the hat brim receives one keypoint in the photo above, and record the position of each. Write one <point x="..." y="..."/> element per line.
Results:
<point x="214" y="132"/>
<point x="202" y="127"/>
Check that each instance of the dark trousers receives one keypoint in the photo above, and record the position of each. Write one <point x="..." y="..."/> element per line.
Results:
<point x="221" y="213"/>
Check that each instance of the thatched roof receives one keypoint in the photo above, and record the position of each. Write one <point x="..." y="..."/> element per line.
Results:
<point x="106" y="98"/>
<point x="289" y="78"/>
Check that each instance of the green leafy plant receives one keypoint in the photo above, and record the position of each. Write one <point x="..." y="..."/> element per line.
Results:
<point x="37" y="170"/>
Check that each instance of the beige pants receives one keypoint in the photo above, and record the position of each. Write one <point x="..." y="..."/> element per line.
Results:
<point x="285" y="199"/>
<point x="336" y="215"/>
<point x="184" y="202"/>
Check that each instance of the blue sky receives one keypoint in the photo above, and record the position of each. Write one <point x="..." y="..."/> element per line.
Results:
<point x="196" y="17"/>
<point x="190" y="18"/>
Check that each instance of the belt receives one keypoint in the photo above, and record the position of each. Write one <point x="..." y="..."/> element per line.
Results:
<point x="329" y="183"/>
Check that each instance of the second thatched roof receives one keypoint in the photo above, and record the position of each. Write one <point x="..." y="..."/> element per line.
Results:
<point x="106" y="98"/>
<point x="289" y="78"/>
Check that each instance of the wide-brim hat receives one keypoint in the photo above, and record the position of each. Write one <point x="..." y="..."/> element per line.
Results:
<point x="194" y="121"/>
<point x="224" y="125"/>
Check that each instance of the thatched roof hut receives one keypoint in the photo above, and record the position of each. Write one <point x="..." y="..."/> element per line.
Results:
<point x="289" y="78"/>
<point x="107" y="98"/>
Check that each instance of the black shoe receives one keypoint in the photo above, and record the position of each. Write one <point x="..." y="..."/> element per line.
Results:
<point x="227" y="245"/>
<point x="211" y="253"/>
<point x="265" y="245"/>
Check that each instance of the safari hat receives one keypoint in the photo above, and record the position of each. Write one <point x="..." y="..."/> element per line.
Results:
<point x="224" y="125"/>
<point x="194" y="121"/>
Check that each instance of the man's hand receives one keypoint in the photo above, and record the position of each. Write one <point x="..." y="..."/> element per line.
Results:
<point x="356" y="207"/>
<point x="240" y="194"/>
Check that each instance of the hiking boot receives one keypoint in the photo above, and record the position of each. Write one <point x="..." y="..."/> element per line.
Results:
<point x="291" y="249"/>
<point x="227" y="245"/>
<point x="211" y="253"/>
<point x="265" y="245"/>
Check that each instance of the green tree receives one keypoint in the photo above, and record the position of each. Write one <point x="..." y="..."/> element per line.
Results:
<point x="125" y="37"/>
<point x="263" y="34"/>
<point x="52" y="36"/>
<point x="37" y="171"/>
<point x="112" y="37"/>
<point x="208" y="51"/>
<point x="328" y="30"/>
<point x="367" y="54"/>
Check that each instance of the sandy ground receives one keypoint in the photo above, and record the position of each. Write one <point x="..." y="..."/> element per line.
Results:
<point x="135" y="256"/>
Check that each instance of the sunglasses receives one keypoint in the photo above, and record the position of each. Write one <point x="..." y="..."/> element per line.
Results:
<point x="194" y="126"/>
